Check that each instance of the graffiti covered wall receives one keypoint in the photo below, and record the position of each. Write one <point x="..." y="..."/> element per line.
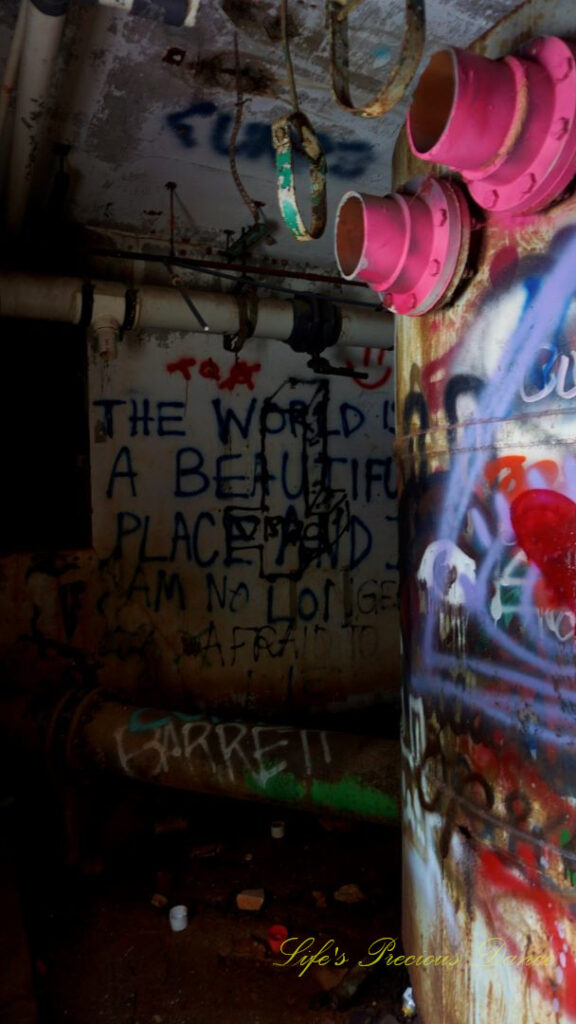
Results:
<point x="244" y="534"/>
<point x="488" y="514"/>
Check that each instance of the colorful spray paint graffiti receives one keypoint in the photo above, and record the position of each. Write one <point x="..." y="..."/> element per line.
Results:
<point x="488" y="521"/>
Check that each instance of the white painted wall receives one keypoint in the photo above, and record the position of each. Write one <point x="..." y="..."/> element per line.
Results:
<point x="253" y="598"/>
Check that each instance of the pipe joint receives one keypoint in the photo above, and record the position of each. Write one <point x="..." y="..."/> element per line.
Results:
<point x="508" y="126"/>
<point x="106" y="330"/>
<point x="410" y="246"/>
<point x="317" y="325"/>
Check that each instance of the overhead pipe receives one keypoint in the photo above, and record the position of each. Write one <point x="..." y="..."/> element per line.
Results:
<point x="71" y="300"/>
<point x="311" y="769"/>
<point x="410" y="246"/>
<point x="44" y="26"/>
<point x="191" y="263"/>
<point x="36" y="42"/>
<point x="508" y="126"/>
<point x="11" y="68"/>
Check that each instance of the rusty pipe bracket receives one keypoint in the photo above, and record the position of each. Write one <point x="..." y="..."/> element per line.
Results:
<point x="295" y="133"/>
<point x="177" y="282"/>
<point x="406" y="66"/>
<point x="247" y="301"/>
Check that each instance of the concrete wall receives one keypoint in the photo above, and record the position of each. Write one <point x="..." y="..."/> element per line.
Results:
<point x="244" y="535"/>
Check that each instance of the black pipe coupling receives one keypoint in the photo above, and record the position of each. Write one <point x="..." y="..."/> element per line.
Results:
<point x="317" y="324"/>
<point x="53" y="8"/>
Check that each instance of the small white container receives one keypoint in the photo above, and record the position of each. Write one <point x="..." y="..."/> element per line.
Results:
<point x="178" y="918"/>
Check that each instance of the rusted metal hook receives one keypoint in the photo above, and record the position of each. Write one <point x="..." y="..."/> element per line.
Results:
<point x="398" y="81"/>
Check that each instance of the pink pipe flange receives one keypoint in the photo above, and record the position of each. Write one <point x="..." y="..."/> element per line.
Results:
<point x="410" y="246"/>
<point x="508" y="126"/>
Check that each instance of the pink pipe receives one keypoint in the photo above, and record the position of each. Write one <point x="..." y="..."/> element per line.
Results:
<point x="508" y="126"/>
<point x="410" y="246"/>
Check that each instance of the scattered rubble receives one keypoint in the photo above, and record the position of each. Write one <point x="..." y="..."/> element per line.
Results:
<point x="159" y="900"/>
<point x="351" y="893"/>
<point x="250" y="899"/>
<point x="203" y="851"/>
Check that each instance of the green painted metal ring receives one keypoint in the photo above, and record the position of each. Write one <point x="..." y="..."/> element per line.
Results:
<point x="289" y="133"/>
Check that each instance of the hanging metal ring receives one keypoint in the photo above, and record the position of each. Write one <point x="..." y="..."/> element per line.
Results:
<point x="406" y="66"/>
<point x="289" y="133"/>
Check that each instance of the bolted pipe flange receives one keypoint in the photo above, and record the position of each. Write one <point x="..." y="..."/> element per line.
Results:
<point x="508" y="126"/>
<point x="411" y="246"/>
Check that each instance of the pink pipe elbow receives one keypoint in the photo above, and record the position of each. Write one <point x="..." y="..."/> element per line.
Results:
<point x="508" y="126"/>
<point x="410" y="246"/>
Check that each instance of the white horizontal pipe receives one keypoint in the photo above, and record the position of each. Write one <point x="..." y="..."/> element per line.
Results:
<point x="32" y="297"/>
<point x="364" y="328"/>
<point x="164" y="307"/>
<point x="29" y="296"/>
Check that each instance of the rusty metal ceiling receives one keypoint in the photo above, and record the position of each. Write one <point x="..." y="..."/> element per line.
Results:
<point x="141" y="103"/>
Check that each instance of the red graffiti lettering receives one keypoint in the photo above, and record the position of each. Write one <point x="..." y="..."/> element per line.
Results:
<point x="499" y="886"/>
<point x="209" y="369"/>
<point x="510" y="474"/>
<point x="240" y="373"/>
<point x="182" y="366"/>
<point x="367" y="361"/>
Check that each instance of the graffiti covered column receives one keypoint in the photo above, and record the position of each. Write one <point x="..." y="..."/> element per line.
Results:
<point x="487" y="408"/>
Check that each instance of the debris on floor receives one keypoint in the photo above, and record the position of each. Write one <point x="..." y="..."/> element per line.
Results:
<point x="250" y="899"/>
<point x="349" y="894"/>
<point x="254" y="910"/>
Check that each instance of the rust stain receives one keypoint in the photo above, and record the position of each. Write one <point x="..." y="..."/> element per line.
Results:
<point x="219" y="72"/>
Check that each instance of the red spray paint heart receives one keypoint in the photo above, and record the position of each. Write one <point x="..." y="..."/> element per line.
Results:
<point x="545" y="526"/>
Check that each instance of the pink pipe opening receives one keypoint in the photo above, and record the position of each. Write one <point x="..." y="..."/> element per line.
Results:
<point x="508" y="126"/>
<point x="463" y="110"/>
<point x="371" y="237"/>
<point x="410" y="246"/>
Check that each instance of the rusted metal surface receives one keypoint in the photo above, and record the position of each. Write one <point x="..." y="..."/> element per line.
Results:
<point x="485" y="395"/>
<point x="404" y="70"/>
<point x="313" y="769"/>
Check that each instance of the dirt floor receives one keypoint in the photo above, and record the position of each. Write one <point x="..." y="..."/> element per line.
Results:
<point x="103" y="953"/>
